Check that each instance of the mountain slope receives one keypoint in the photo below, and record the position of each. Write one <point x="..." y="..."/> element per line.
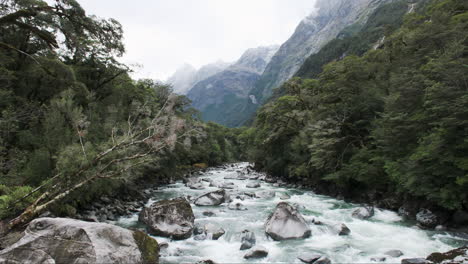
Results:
<point x="310" y="36"/>
<point x="222" y="97"/>
<point x="187" y="76"/>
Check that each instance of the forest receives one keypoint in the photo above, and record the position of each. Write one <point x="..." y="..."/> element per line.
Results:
<point x="386" y="119"/>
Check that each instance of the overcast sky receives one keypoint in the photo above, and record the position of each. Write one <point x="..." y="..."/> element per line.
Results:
<point x="162" y="35"/>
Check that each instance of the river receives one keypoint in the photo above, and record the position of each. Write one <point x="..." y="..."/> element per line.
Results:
<point x="368" y="238"/>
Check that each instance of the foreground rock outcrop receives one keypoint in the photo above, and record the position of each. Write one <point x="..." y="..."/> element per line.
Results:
<point x="169" y="218"/>
<point x="62" y="240"/>
<point x="286" y="223"/>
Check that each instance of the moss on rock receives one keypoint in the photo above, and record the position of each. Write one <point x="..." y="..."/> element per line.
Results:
<point x="148" y="246"/>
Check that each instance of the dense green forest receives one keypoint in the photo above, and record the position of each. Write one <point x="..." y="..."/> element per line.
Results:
<point x="366" y="114"/>
<point x="394" y="120"/>
<point x="72" y="118"/>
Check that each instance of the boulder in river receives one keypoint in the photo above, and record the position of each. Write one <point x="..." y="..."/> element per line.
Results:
<point x="169" y="218"/>
<point x="63" y="240"/>
<point x="363" y="212"/>
<point x="415" y="261"/>
<point x="426" y="218"/>
<point x="395" y="253"/>
<point x="323" y="260"/>
<point x="208" y="213"/>
<point x="378" y="259"/>
<point x="256" y="252"/>
<point x="212" y="198"/>
<point x="284" y="196"/>
<point x="309" y="258"/>
<point x="237" y="206"/>
<point x="197" y="186"/>
<point x="265" y="194"/>
<point x="215" y="231"/>
<point x="286" y="223"/>
<point x="342" y="229"/>
<point x="253" y="185"/>
<point x="459" y="255"/>
<point x="248" y="240"/>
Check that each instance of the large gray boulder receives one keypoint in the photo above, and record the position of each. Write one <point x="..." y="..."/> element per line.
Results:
<point x="212" y="198"/>
<point x="363" y="212"/>
<point x="286" y="223"/>
<point x="309" y="258"/>
<point x="61" y="240"/>
<point x="169" y="218"/>
<point x="265" y="194"/>
<point x="426" y="218"/>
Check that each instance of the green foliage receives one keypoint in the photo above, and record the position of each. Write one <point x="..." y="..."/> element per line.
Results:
<point x="391" y="120"/>
<point x="10" y="199"/>
<point x="61" y="108"/>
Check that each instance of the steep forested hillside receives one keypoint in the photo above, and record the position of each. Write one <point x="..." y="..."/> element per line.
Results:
<point x="71" y="118"/>
<point x="391" y="121"/>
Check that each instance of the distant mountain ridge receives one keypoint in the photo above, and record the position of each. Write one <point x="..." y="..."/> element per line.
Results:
<point x="220" y="98"/>
<point x="187" y="76"/>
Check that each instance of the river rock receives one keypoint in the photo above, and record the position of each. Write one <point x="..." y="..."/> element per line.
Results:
<point x="200" y="237"/>
<point x="236" y="206"/>
<point x="215" y="231"/>
<point x="198" y="229"/>
<point x="415" y="261"/>
<point x="395" y="253"/>
<point x="248" y="240"/>
<point x="209" y="213"/>
<point x="363" y="212"/>
<point x="342" y="230"/>
<point x="426" y="218"/>
<point x="270" y="180"/>
<point x="286" y="223"/>
<point x="197" y="186"/>
<point x="169" y="218"/>
<point x="208" y="261"/>
<point x="323" y="260"/>
<point x="253" y="185"/>
<point x="284" y="196"/>
<point x="212" y="198"/>
<point x="459" y="255"/>
<point x="63" y="240"/>
<point x="378" y="259"/>
<point x="256" y="252"/>
<point x="309" y="258"/>
<point x="265" y="194"/>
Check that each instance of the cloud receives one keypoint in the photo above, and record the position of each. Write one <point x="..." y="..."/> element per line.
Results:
<point x="161" y="35"/>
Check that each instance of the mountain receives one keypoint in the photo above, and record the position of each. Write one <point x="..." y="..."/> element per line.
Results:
<point x="221" y="98"/>
<point x="310" y="36"/>
<point x="187" y="76"/>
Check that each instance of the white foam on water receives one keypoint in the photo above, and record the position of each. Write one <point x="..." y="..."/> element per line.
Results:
<point x="369" y="238"/>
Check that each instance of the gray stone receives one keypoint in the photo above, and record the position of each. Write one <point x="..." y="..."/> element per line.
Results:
<point x="253" y="185"/>
<point x="236" y="206"/>
<point x="197" y="186"/>
<point x="209" y="213"/>
<point x="414" y="261"/>
<point x="426" y="218"/>
<point x="284" y="196"/>
<point x="363" y="213"/>
<point x="169" y="218"/>
<point x="256" y="252"/>
<point x="342" y="230"/>
<point x="212" y="198"/>
<point x="309" y="258"/>
<point x="395" y="253"/>
<point x="215" y="231"/>
<point x="248" y="240"/>
<point x="265" y="194"/>
<point x="62" y="240"/>
<point x="378" y="259"/>
<point x="200" y="237"/>
<point x="323" y="260"/>
<point x="286" y="223"/>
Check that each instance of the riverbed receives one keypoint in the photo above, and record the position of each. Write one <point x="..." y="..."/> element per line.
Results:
<point x="369" y="239"/>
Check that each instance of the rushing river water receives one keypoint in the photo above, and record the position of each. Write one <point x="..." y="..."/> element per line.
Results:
<point x="368" y="238"/>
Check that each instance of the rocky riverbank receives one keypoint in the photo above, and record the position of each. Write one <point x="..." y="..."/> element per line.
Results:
<point x="232" y="213"/>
